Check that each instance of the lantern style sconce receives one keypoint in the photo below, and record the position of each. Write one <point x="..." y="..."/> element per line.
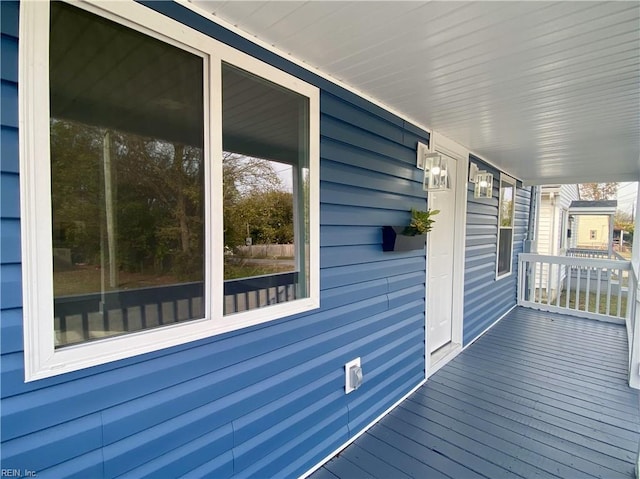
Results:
<point x="482" y="180"/>
<point x="484" y="185"/>
<point x="436" y="169"/>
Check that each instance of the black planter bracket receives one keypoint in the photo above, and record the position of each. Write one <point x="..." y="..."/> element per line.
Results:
<point x="394" y="240"/>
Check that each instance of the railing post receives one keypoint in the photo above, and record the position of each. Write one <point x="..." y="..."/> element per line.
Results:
<point x="633" y="328"/>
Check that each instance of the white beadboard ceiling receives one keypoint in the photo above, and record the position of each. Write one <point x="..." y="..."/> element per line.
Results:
<point x="548" y="91"/>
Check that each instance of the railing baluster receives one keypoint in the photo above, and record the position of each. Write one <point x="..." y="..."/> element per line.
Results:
<point x="599" y="279"/>
<point x="608" y="292"/>
<point x="569" y="274"/>
<point x="532" y="283"/>
<point x="549" y="273"/>
<point x="559" y="284"/>
<point x="619" y="292"/>
<point x="586" y="298"/>
<point x="577" y="305"/>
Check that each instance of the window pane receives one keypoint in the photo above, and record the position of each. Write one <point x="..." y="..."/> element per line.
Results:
<point x="265" y="183"/>
<point x="127" y="178"/>
<point x="504" y="251"/>
<point x="506" y="203"/>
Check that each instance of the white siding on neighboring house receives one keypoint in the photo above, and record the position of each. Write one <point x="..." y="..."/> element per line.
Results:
<point x="553" y="223"/>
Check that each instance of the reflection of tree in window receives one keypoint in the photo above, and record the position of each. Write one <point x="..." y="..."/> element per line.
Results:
<point x="157" y="193"/>
<point x="127" y="179"/>
<point x="266" y="201"/>
<point x="258" y="210"/>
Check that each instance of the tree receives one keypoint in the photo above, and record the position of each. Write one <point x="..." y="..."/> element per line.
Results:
<point x="598" y="191"/>
<point x="253" y="202"/>
<point x="623" y="221"/>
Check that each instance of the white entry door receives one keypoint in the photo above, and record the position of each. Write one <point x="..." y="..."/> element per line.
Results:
<point x="440" y="264"/>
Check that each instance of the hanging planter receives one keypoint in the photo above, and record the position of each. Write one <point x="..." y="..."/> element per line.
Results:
<point x="409" y="238"/>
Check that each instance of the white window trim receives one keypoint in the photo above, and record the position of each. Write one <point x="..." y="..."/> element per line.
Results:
<point x="41" y="358"/>
<point x="512" y="181"/>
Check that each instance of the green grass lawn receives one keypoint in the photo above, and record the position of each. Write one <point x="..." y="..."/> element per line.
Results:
<point x="602" y="307"/>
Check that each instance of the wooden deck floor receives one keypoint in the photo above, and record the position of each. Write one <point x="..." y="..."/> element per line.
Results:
<point x="539" y="395"/>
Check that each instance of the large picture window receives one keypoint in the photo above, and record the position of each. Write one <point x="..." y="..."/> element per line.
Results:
<point x="127" y="178"/>
<point x="506" y="212"/>
<point x="176" y="194"/>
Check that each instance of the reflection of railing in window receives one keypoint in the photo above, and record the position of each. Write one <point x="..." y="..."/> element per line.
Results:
<point x="85" y="317"/>
<point x="259" y="291"/>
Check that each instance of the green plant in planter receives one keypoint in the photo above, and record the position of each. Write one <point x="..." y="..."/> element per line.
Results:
<point x="421" y="222"/>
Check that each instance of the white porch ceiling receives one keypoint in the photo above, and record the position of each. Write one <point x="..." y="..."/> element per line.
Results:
<point x="548" y="91"/>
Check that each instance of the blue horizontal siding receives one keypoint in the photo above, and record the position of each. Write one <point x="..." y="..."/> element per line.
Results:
<point x="264" y="401"/>
<point x="9" y="157"/>
<point x="367" y="160"/>
<point x="485" y="298"/>
<point x="267" y="400"/>
<point x="11" y="286"/>
<point x="73" y="439"/>
<point x="10" y="241"/>
<point x="10" y="330"/>
<point x="9" y="195"/>
<point x="9" y="101"/>
<point x="9" y="60"/>
<point x="530" y="399"/>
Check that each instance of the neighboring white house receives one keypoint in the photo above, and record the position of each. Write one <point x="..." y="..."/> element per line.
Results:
<point x="555" y="232"/>
<point x="553" y="220"/>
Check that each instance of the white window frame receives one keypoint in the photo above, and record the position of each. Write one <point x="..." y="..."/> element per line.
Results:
<point x="512" y="181"/>
<point x="41" y="358"/>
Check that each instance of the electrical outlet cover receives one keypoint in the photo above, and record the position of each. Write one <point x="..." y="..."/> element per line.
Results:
<point x="348" y="387"/>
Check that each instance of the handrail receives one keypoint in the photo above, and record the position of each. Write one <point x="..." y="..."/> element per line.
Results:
<point x="633" y="330"/>
<point x="602" y="289"/>
<point x="587" y="287"/>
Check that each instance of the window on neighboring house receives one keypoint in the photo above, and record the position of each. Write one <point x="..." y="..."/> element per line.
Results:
<point x="593" y="234"/>
<point x="506" y="212"/>
<point x="183" y="187"/>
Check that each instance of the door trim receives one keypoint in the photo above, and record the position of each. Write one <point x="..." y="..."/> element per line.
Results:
<point x="442" y="144"/>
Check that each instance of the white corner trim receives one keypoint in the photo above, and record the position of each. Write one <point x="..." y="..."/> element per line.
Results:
<point x="364" y="429"/>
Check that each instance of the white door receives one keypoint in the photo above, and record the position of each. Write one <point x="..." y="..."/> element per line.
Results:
<point x="440" y="264"/>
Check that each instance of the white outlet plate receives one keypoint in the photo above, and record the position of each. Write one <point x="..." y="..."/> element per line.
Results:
<point x="347" y="381"/>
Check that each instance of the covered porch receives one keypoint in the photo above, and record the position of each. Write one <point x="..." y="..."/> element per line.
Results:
<point x="541" y="394"/>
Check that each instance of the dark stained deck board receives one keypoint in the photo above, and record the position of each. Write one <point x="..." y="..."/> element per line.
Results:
<point x="539" y="395"/>
<point x="548" y="417"/>
<point x="570" y="398"/>
<point x="373" y="465"/>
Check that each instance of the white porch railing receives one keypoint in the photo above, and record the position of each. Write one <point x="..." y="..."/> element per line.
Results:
<point x="633" y="333"/>
<point x="602" y="289"/>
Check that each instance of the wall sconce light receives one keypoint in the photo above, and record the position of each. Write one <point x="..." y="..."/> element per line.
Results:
<point x="436" y="169"/>
<point x="484" y="185"/>
<point x="483" y="182"/>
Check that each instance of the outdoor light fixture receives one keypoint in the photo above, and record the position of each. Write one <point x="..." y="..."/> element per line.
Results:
<point x="484" y="185"/>
<point x="482" y="180"/>
<point x="436" y="173"/>
<point x="436" y="169"/>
